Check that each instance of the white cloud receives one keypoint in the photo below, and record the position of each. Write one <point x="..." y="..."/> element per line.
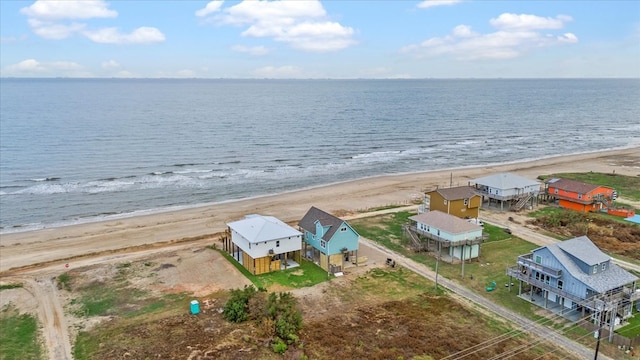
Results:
<point x="516" y="35"/>
<point x="463" y="31"/>
<point x="433" y="3"/>
<point x="141" y="35"/>
<point x="528" y="22"/>
<point x="12" y="39"/>
<point x="54" y="31"/>
<point x="568" y="38"/>
<point x="111" y="64"/>
<point x="301" y="24"/>
<point x="282" y="72"/>
<point x="251" y="50"/>
<point x="68" y="9"/>
<point x="212" y="7"/>
<point x="32" y="67"/>
<point x="50" y="19"/>
<point x="125" y="74"/>
<point x="29" y="65"/>
<point x="186" y="73"/>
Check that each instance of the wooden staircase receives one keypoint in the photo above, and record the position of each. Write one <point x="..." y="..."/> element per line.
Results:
<point x="521" y="202"/>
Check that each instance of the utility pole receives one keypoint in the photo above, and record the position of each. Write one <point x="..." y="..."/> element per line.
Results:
<point x="437" y="261"/>
<point x="595" y="357"/>
<point x="463" y="258"/>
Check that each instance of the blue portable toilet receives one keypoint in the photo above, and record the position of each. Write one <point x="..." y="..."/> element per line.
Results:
<point x="195" y="307"/>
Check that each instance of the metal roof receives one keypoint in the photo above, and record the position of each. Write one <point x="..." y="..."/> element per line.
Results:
<point x="259" y="228"/>
<point x="582" y="248"/>
<point x="443" y="221"/>
<point x="572" y="185"/>
<point x="505" y="181"/>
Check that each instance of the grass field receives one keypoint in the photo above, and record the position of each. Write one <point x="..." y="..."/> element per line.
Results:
<point x="19" y="336"/>
<point x="307" y="274"/>
<point x="632" y="329"/>
<point x="496" y="254"/>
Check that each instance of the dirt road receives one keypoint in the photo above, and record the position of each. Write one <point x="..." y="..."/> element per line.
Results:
<point x="51" y="315"/>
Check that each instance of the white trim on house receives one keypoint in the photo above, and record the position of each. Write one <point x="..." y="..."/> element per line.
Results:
<point x="261" y="236"/>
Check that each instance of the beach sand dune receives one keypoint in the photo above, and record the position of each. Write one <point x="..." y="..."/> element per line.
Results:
<point x="24" y="249"/>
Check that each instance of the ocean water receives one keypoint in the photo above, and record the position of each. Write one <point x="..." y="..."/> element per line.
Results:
<point x="79" y="150"/>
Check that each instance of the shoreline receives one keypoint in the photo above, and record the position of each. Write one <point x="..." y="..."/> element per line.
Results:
<point x="31" y="227"/>
<point x="26" y="248"/>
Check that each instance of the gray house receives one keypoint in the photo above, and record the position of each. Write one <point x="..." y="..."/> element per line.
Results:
<point x="575" y="275"/>
<point x="514" y="190"/>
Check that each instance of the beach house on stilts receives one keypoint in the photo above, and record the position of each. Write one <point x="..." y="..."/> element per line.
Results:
<point x="263" y="244"/>
<point x="507" y="190"/>
<point x="328" y="240"/>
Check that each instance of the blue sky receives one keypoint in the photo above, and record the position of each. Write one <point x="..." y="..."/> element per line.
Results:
<point x="320" y="39"/>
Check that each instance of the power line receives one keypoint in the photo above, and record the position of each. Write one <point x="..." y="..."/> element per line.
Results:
<point x="536" y="342"/>
<point x="498" y="339"/>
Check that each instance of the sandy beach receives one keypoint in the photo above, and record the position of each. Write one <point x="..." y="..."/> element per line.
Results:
<point x="18" y="250"/>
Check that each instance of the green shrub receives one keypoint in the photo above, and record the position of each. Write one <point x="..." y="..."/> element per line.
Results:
<point x="282" y="308"/>
<point x="237" y="307"/>
<point x="279" y="346"/>
<point x="11" y="286"/>
<point x="64" y="281"/>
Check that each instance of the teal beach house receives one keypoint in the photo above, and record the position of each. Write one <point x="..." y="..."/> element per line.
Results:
<point x="328" y="240"/>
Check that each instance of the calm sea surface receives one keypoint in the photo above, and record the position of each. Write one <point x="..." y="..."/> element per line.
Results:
<point x="81" y="150"/>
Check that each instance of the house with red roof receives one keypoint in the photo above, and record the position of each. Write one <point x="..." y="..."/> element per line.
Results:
<point x="580" y="196"/>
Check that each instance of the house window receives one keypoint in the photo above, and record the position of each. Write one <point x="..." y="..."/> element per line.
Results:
<point x="277" y="243"/>
<point x="604" y="266"/>
<point x="438" y="232"/>
<point x="560" y="283"/>
<point x="537" y="275"/>
<point x="538" y="259"/>
<point x="323" y="243"/>
<point x="428" y="228"/>
<point x="445" y="202"/>
<point x="595" y="269"/>
<point x="546" y="279"/>
<point x="466" y="201"/>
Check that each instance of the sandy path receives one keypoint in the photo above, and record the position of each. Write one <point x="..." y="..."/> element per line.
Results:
<point x="51" y="315"/>
<point x="27" y="248"/>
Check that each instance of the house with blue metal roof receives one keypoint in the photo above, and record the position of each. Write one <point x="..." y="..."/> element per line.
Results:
<point x="575" y="275"/>
<point x="328" y="240"/>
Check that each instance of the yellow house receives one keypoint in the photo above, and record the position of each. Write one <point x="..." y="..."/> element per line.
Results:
<point x="461" y="201"/>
